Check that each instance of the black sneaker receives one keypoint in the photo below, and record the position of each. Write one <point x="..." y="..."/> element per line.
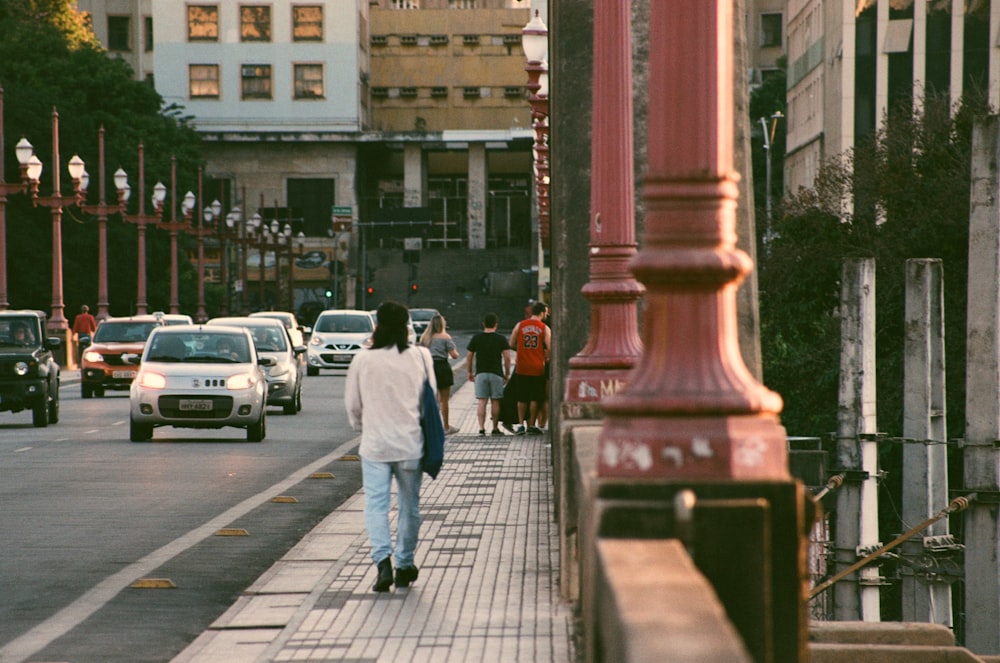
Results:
<point x="507" y="427"/>
<point x="497" y="431"/>
<point x="406" y="575"/>
<point x="384" y="579"/>
<point x="482" y="432"/>
<point x="535" y="430"/>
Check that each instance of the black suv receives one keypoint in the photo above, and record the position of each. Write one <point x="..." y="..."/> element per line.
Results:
<point x="29" y="376"/>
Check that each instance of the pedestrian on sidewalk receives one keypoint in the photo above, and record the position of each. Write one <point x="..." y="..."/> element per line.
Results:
<point x="488" y="361"/>
<point x="531" y="340"/>
<point x="382" y="394"/>
<point x="436" y="339"/>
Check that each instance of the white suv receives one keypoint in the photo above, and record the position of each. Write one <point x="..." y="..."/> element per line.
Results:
<point x="337" y="336"/>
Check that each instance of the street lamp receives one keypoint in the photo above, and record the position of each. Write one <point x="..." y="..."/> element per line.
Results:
<point x="141" y="219"/>
<point x="55" y="202"/>
<point x="101" y="211"/>
<point x="24" y="151"/>
<point x="535" y="41"/>
<point x="768" y="142"/>
<point x="236" y="231"/>
<point x="174" y="227"/>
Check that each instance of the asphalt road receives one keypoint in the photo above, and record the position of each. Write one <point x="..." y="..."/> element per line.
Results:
<point x="84" y="513"/>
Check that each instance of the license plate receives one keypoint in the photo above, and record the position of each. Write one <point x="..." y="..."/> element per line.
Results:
<point x="342" y="358"/>
<point x="195" y="405"/>
<point x="121" y="375"/>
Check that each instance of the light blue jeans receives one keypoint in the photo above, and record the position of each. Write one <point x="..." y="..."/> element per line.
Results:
<point x="377" y="479"/>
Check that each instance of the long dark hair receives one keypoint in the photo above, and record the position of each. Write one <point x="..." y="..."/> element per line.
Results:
<point x="391" y="326"/>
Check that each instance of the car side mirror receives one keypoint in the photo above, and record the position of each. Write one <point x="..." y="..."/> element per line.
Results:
<point x="131" y="358"/>
<point x="299" y="349"/>
<point x="53" y="342"/>
<point x="265" y="361"/>
<point x="85" y="342"/>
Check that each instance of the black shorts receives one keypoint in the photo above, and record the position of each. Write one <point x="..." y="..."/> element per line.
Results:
<point x="443" y="374"/>
<point x="530" y="388"/>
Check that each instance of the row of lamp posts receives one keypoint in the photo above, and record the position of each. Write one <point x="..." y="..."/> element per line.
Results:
<point x="231" y="230"/>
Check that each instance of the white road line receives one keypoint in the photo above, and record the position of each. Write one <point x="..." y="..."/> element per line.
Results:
<point x="64" y="621"/>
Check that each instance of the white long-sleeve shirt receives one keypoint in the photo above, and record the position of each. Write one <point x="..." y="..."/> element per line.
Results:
<point x="382" y="395"/>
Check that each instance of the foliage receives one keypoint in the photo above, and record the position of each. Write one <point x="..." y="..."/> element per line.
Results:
<point x="51" y="62"/>
<point x="902" y="194"/>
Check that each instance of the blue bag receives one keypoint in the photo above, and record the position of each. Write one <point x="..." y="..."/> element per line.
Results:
<point x="433" y="430"/>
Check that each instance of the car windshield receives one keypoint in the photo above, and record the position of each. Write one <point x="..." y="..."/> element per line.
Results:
<point x="422" y="315"/>
<point x="269" y="339"/>
<point x="123" y="331"/>
<point x="344" y="323"/>
<point x="285" y="319"/>
<point x="19" y="331"/>
<point x="199" y="347"/>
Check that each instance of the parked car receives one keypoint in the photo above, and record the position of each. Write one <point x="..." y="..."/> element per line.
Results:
<point x="337" y="336"/>
<point x="199" y="376"/>
<point x="285" y="375"/>
<point x="102" y="367"/>
<point x="295" y="330"/>
<point x="29" y="375"/>
<point x="421" y="318"/>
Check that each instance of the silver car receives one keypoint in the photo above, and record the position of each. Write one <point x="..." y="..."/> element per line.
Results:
<point x="295" y="330"/>
<point x="337" y="336"/>
<point x="285" y="376"/>
<point x="194" y="376"/>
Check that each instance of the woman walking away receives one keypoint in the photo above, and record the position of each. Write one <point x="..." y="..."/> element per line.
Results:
<point x="382" y="395"/>
<point x="439" y="342"/>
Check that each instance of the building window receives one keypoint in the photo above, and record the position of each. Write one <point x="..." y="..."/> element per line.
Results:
<point x="307" y="23"/>
<point x="255" y="23"/>
<point x="380" y="92"/>
<point x="461" y="4"/>
<point x="256" y="81"/>
<point x="408" y="40"/>
<point x="470" y="40"/>
<point x="770" y="29"/>
<point x="379" y="40"/>
<point x="439" y="40"/>
<point x="148" y="23"/>
<point x="308" y="81"/>
<point x="513" y="92"/>
<point x="471" y="92"/>
<point x="406" y="4"/>
<point x="203" y="81"/>
<point x="409" y="92"/>
<point x="203" y="22"/>
<point x="118" y="33"/>
<point x="439" y="92"/>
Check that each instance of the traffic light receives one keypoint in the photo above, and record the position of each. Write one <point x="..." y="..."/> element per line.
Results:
<point x="370" y="290"/>
<point x="413" y="286"/>
<point x="329" y="293"/>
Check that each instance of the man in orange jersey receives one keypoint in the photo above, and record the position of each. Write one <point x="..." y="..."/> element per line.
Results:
<point x="531" y="340"/>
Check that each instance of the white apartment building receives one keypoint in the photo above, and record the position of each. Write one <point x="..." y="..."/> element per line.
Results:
<point x="848" y="60"/>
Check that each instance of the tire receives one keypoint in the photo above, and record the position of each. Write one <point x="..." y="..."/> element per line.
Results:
<point x="86" y="390"/>
<point x="40" y="413"/>
<point x="99" y="392"/>
<point x="312" y="371"/>
<point x="298" y="398"/>
<point x="138" y="432"/>
<point x="256" y="432"/>
<point x="54" y="409"/>
<point x="289" y="408"/>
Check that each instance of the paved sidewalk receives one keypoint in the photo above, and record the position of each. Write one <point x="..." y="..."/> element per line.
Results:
<point x="488" y="587"/>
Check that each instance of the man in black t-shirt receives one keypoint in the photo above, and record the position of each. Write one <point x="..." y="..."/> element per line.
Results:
<point x="488" y="360"/>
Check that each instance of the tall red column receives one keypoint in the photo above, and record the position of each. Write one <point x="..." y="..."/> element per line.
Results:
<point x="691" y="409"/>
<point x="600" y="369"/>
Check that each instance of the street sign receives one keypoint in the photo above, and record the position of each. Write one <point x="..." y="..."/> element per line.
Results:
<point x="341" y="210"/>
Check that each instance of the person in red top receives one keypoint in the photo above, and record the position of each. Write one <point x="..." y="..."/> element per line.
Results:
<point x="84" y="326"/>
<point x="531" y="339"/>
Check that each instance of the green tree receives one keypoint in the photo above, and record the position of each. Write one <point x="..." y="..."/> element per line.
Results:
<point x="50" y="60"/>
<point x="902" y="194"/>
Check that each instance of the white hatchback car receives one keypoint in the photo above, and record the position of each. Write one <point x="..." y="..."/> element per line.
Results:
<point x="199" y="377"/>
<point x="337" y="336"/>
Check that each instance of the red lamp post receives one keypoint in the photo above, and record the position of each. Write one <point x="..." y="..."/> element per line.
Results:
<point x="55" y="202"/>
<point x="173" y="226"/>
<point x="24" y="151"/>
<point x="613" y="345"/>
<point x="101" y="211"/>
<point x="691" y="409"/>
<point x="204" y="227"/>
<point x="141" y="220"/>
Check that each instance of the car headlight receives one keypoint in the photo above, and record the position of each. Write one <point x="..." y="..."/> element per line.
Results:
<point x="316" y="340"/>
<point x="93" y="356"/>
<point x="21" y="368"/>
<point x="278" y="371"/>
<point x="241" y="381"/>
<point x="151" y="380"/>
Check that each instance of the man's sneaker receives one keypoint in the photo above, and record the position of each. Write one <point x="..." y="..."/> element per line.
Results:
<point x="497" y="431"/>
<point x="482" y="432"/>
<point x="520" y="430"/>
<point x="451" y="430"/>
<point x="535" y="430"/>
<point x="507" y="427"/>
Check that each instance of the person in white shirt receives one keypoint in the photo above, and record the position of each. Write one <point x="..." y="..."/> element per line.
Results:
<point x="382" y="394"/>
